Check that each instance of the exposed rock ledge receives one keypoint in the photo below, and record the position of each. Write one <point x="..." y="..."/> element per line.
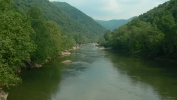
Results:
<point x="103" y="48"/>
<point x="3" y="95"/>
<point x="65" y="53"/>
<point x="67" y="62"/>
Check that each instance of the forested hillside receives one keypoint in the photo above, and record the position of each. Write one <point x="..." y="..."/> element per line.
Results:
<point x="27" y="40"/>
<point x="69" y="25"/>
<point x="88" y="23"/>
<point x="113" y="24"/>
<point x="50" y="12"/>
<point x="152" y="34"/>
<point x="35" y="31"/>
<point x="15" y="45"/>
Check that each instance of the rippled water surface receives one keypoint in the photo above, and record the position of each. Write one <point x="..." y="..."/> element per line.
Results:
<point x="99" y="75"/>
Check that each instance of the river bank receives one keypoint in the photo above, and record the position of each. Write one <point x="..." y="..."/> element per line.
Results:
<point x="30" y="66"/>
<point x="163" y="58"/>
<point x="63" y="53"/>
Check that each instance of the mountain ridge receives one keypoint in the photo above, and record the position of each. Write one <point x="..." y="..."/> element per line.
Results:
<point x="114" y="23"/>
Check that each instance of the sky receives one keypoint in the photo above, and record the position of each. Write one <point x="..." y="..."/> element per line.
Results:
<point x="113" y="9"/>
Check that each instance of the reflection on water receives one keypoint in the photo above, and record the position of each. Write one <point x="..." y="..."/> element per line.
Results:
<point x="161" y="76"/>
<point x="98" y="75"/>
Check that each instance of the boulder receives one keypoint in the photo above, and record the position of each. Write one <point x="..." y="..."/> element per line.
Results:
<point x="101" y="48"/>
<point x="65" y="53"/>
<point x="3" y="95"/>
<point x="74" y="48"/>
<point x="38" y="65"/>
<point x="67" y="61"/>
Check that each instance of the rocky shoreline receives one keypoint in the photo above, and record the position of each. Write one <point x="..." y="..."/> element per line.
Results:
<point x="63" y="53"/>
<point x="4" y="95"/>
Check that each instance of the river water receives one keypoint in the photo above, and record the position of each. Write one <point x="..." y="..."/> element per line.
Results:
<point x="98" y="75"/>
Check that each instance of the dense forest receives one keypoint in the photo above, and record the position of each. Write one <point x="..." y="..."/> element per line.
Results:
<point x="26" y="38"/>
<point x="34" y="31"/>
<point x="91" y="27"/>
<point x="71" y="21"/>
<point x="113" y="24"/>
<point x="152" y="34"/>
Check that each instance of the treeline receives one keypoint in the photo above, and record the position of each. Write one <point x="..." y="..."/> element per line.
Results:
<point x="152" y="34"/>
<point x="27" y="39"/>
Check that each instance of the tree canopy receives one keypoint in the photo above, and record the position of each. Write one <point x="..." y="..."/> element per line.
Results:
<point x="27" y="39"/>
<point x="151" y="34"/>
<point x="15" y="45"/>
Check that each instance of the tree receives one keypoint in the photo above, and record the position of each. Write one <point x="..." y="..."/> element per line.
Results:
<point x="15" y="45"/>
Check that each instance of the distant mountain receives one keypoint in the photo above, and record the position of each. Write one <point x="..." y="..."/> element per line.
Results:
<point x="87" y="27"/>
<point x="90" y="25"/>
<point x="113" y="24"/>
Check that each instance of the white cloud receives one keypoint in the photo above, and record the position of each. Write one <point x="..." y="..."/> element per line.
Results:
<point x="113" y="9"/>
<point x="111" y="6"/>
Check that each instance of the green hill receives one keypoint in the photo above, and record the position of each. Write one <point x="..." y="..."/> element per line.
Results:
<point x="87" y="22"/>
<point x="113" y="24"/>
<point x="36" y="31"/>
<point x="50" y="12"/>
<point x="69" y="25"/>
<point x="152" y="34"/>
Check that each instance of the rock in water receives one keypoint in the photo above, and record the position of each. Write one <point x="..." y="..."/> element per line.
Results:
<point x="3" y="95"/>
<point x="67" y="61"/>
<point x="65" y="53"/>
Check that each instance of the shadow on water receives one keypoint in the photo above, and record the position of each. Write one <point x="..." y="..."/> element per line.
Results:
<point x="38" y="84"/>
<point x="160" y="75"/>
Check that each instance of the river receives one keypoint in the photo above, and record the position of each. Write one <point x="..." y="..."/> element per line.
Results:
<point x="98" y="75"/>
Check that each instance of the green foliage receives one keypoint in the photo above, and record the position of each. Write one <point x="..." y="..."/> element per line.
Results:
<point x="164" y="17"/>
<point x="27" y="38"/>
<point x="107" y="35"/>
<point x="30" y="33"/>
<point x="55" y="41"/>
<point x="106" y="40"/>
<point x="15" y="45"/>
<point x="90" y="27"/>
<point x="80" y="38"/>
<point x="101" y="41"/>
<point x="41" y="38"/>
<point x="48" y="38"/>
<point x="69" y="24"/>
<point x="50" y="12"/>
<point x="4" y="5"/>
<point x="67" y="42"/>
<point x="152" y="34"/>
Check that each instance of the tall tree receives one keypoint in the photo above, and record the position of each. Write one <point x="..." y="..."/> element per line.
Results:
<point x="15" y="44"/>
